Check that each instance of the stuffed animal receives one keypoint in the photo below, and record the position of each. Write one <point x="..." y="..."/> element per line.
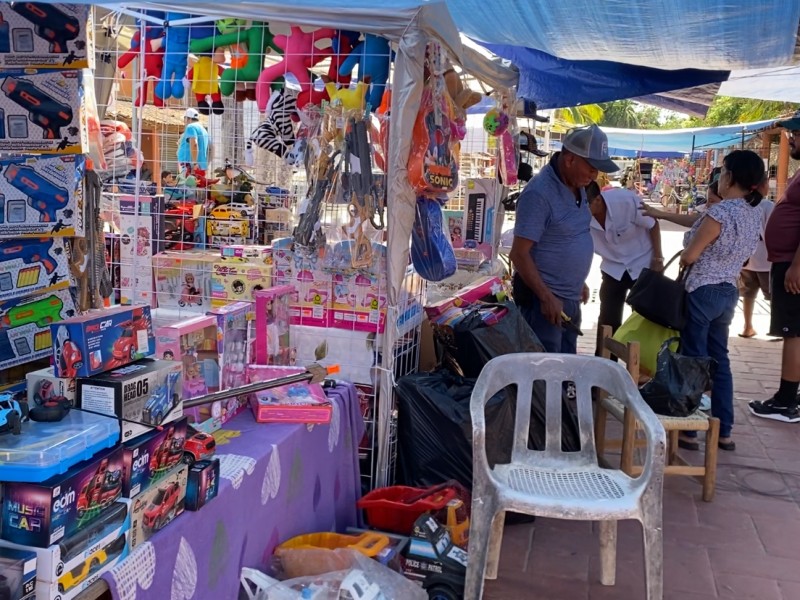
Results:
<point x="276" y="133"/>
<point x="373" y="58"/>
<point x="176" y="52"/>
<point x="204" y="76"/>
<point x="299" y="55"/>
<point x="151" y="55"/>
<point x="342" y="45"/>
<point x="349" y="99"/>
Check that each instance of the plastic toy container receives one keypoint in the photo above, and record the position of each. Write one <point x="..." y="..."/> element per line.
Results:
<point x="47" y="449"/>
<point x="396" y="508"/>
<point x="369" y="544"/>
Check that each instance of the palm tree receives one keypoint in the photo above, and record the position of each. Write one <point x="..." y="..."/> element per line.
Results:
<point x="621" y="113"/>
<point x="580" y="115"/>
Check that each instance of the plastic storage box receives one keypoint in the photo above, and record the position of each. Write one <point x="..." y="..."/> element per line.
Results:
<point x="396" y="508"/>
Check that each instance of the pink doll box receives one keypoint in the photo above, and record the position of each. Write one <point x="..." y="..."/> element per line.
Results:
<point x="194" y="344"/>
<point x="295" y="403"/>
<point x="282" y="261"/>
<point x="486" y="286"/>
<point x="272" y="341"/>
<point x="236" y="279"/>
<point x="183" y="279"/>
<point x="359" y="301"/>
<point x="312" y="302"/>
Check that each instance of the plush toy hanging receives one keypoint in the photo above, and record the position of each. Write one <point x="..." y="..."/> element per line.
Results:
<point x="342" y="45"/>
<point x="299" y="55"/>
<point x="204" y="76"/>
<point x="276" y="133"/>
<point x="176" y="57"/>
<point x="151" y="57"/>
<point x="350" y="99"/>
<point x="373" y="57"/>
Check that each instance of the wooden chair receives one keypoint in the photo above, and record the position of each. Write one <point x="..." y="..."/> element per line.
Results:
<point x="699" y="421"/>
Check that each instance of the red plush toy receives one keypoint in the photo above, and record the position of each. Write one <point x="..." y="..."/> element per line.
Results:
<point x="152" y="56"/>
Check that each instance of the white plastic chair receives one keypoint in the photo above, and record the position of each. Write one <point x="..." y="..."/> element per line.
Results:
<point x="556" y="484"/>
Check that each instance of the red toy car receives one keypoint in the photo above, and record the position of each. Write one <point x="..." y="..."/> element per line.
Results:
<point x="71" y="359"/>
<point x="199" y="447"/>
<point x="157" y="514"/>
<point x="102" y="489"/>
<point x="124" y="348"/>
<point x="168" y="454"/>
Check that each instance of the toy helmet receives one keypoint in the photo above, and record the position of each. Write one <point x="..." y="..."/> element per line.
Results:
<point x="192" y="114"/>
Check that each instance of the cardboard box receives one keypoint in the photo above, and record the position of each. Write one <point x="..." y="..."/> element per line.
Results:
<point x="42" y="514"/>
<point x="482" y="221"/>
<point x="272" y="345"/>
<point x="137" y="233"/>
<point x="44" y="385"/>
<point x="183" y="279"/>
<point x="25" y="333"/>
<point x="55" y="36"/>
<point x="236" y="279"/>
<point x="17" y="574"/>
<point x="194" y="344"/>
<point x="313" y="300"/>
<point x="203" y="483"/>
<point x="30" y="265"/>
<point x="251" y="253"/>
<point x="149" y="457"/>
<point x="147" y="392"/>
<point x="42" y="196"/>
<point x="282" y="261"/>
<point x="55" y="561"/>
<point x="43" y="112"/>
<point x="101" y="340"/>
<point x="156" y="507"/>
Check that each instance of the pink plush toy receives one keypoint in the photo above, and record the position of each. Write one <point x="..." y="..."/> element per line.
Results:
<point x="299" y="55"/>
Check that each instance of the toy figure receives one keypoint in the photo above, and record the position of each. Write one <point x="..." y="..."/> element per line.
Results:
<point x="193" y="383"/>
<point x="190" y="294"/>
<point x="151" y="56"/>
<point x="142" y="241"/>
<point x="176" y="52"/>
<point x="204" y="76"/>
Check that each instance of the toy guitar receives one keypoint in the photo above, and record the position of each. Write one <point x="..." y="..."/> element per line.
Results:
<point x="431" y="251"/>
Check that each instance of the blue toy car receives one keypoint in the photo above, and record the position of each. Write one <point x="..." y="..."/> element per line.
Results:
<point x="11" y="414"/>
<point x="162" y="401"/>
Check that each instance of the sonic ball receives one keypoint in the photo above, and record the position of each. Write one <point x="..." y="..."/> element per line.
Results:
<point x="495" y="122"/>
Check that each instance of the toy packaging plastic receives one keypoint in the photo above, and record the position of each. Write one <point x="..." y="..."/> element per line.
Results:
<point x="102" y="543"/>
<point x="482" y="289"/>
<point x="203" y="483"/>
<point x="356" y="352"/>
<point x="294" y="403"/>
<point x="312" y="302"/>
<point x="272" y="340"/>
<point x="149" y="457"/>
<point x="41" y="514"/>
<point x="101" y="340"/>
<point x="155" y="508"/>
<point x="30" y="265"/>
<point x="47" y="449"/>
<point x="41" y="35"/>
<point x="25" y="325"/>
<point x="183" y="279"/>
<point x="42" y="196"/>
<point x="43" y="112"/>
<point x="137" y="230"/>
<point x="251" y="253"/>
<point x="194" y="344"/>
<point x="146" y="392"/>
<point x="18" y="571"/>
<point x="236" y="279"/>
<point x="43" y="385"/>
<point x="481" y="211"/>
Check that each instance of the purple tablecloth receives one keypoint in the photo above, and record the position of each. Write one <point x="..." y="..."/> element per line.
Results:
<point x="277" y="481"/>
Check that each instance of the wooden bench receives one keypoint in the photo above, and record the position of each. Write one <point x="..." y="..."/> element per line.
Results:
<point x="699" y="421"/>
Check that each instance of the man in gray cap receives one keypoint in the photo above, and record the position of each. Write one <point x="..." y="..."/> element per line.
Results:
<point x="782" y="238"/>
<point x="552" y="249"/>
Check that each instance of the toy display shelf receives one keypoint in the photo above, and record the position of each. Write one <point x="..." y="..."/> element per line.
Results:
<point x="43" y="450"/>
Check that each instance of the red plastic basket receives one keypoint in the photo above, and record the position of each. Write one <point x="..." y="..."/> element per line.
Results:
<point x="395" y="509"/>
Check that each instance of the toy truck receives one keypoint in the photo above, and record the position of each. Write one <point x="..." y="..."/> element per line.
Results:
<point x="434" y="561"/>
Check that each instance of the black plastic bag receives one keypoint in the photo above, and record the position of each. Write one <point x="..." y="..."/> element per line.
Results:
<point x="679" y="382"/>
<point x="435" y="428"/>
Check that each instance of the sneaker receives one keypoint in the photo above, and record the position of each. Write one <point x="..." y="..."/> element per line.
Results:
<point x="768" y="409"/>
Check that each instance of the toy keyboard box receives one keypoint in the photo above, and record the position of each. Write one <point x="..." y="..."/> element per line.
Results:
<point x="147" y="393"/>
<point x="147" y="458"/>
<point x="41" y="35"/>
<point x="42" y="112"/>
<point x="236" y="280"/>
<point x="183" y="279"/>
<point x="101" y="542"/>
<point x="203" y="483"/>
<point x="42" y="196"/>
<point x="42" y="514"/>
<point x="481" y="210"/>
<point x="102" y="340"/>
<point x="194" y="344"/>
<point x="155" y="508"/>
<point x="18" y="571"/>
<point x="43" y="385"/>
<point x="25" y="333"/>
<point x="30" y="265"/>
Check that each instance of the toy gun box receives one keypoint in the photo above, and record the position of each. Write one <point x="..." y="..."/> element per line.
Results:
<point x="41" y="196"/>
<point x="151" y="456"/>
<point x="147" y="392"/>
<point x="102" y="340"/>
<point x="159" y="505"/>
<point x="42" y="112"/>
<point x="40" y="35"/>
<point x="18" y="571"/>
<point x="42" y="514"/>
<point x="30" y="265"/>
<point x="25" y="333"/>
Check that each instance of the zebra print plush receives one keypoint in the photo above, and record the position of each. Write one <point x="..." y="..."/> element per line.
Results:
<point x="276" y="133"/>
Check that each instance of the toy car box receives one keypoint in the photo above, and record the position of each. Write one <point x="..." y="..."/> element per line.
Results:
<point x="257" y="254"/>
<point x="30" y="265"/>
<point x="42" y="196"/>
<point x="237" y="279"/>
<point x="203" y="483"/>
<point x="183" y="279"/>
<point x="43" y="385"/>
<point x="18" y="570"/>
<point x="55" y="561"/>
<point x="391" y="555"/>
<point x="147" y="393"/>
<point x="102" y="340"/>
<point x="41" y="514"/>
<point x="149" y="457"/>
<point x="194" y="344"/>
<point x="155" y="508"/>
<point x="25" y="325"/>
<point x="43" y="112"/>
<point x="41" y="35"/>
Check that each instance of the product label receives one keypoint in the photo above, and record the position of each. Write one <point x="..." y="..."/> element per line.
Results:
<point x="95" y="397"/>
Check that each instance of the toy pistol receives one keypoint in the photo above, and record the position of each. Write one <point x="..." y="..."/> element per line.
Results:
<point x="31" y="251"/>
<point x="567" y="323"/>
<point x="52" y="24"/>
<point x="43" y="110"/>
<point x="43" y="195"/>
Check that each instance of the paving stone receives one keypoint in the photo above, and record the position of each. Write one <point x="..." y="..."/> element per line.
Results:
<point x="789" y="590"/>
<point x="754" y="565"/>
<point x="747" y="587"/>
<point x="780" y="537"/>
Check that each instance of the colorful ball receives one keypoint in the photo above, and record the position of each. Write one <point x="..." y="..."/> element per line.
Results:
<point x="495" y="122"/>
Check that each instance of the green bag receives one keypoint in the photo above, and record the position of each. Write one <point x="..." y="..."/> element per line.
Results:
<point x="650" y="337"/>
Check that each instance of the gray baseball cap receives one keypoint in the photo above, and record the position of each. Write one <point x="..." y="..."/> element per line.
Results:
<point x="592" y="144"/>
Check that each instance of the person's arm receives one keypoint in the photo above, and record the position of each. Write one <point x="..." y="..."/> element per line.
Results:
<point x="682" y="220"/>
<point x="657" y="262"/>
<point x="193" y="152"/>
<point x="705" y="235"/>
<point x="524" y="264"/>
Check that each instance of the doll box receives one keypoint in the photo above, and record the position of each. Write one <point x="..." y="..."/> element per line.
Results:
<point x="137" y="232"/>
<point x="194" y="344"/>
<point x="236" y="279"/>
<point x="293" y="403"/>
<point x="480" y="289"/>
<point x="272" y="339"/>
<point x="183" y="279"/>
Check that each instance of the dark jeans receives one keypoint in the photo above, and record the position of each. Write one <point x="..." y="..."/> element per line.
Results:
<point x="612" y="299"/>
<point x="554" y="338"/>
<point x="710" y="310"/>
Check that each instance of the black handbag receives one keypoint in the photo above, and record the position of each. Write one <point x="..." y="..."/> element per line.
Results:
<point x="660" y="299"/>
